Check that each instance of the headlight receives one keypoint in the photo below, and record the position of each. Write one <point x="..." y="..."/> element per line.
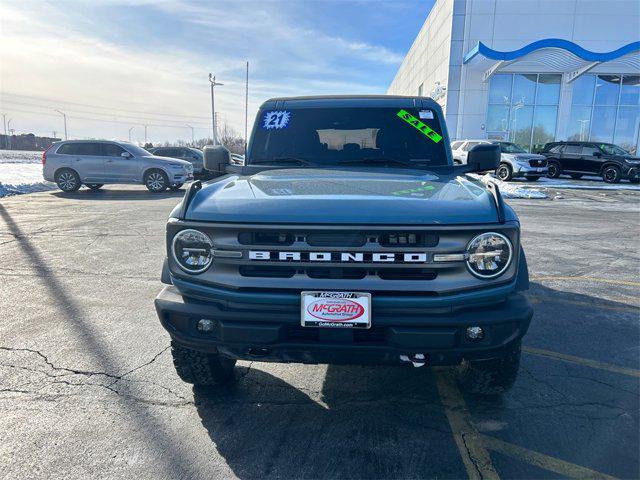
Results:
<point x="192" y="250"/>
<point x="489" y="255"/>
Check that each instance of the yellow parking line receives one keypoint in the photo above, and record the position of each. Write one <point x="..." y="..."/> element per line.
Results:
<point x="582" y="278"/>
<point x="475" y="457"/>
<point x="552" y="299"/>
<point x="541" y="460"/>
<point x="582" y="361"/>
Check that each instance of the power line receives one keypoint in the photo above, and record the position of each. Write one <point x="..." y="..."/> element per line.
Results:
<point x="101" y="107"/>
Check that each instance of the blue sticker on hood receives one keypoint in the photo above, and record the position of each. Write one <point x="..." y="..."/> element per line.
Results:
<point x="276" y="119"/>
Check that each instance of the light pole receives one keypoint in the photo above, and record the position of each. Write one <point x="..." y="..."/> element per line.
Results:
<point x="130" y="133"/>
<point x="193" y="137"/>
<point x="10" y="133"/>
<point x="145" y="135"/>
<point x="6" y="138"/>
<point x="64" y="116"/>
<point x="212" y="81"/>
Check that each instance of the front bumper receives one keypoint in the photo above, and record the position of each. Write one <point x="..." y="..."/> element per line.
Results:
<point x="272" y="332"/>
<point x="520" y="170"/>
<point x="181" y="177"/>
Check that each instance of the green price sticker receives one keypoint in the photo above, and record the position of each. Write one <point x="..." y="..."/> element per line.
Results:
<point x="420" y="126"/>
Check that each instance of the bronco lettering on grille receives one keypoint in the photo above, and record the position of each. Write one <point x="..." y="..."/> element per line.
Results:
<point x="338" y="257"/>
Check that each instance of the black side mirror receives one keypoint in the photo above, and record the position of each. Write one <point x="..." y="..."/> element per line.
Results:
<point x="216" y="159"/>
<point x="483" y="157"/>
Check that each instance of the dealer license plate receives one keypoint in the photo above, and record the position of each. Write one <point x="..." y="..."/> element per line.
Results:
<point x="336" y="309"/>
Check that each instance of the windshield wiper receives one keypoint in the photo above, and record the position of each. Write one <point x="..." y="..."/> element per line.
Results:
<point x="383" y="160"/>
<point x="273" y="161"/>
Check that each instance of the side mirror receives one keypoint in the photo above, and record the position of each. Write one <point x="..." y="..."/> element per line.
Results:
<point x="126" y="155"/>
<point x="483" y="157"/>
<point x="216" y="159"/>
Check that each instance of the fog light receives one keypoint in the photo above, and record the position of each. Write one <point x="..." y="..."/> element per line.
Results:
<point x="205" y="325"/>
<point x="475" y="333"/>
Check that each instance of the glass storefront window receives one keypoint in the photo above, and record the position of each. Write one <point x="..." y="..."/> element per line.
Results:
<point x="630" y="94"/>
<point x="579" y="123"/>
<point x="607" y="89"/>
<point x="548" y="90"/>
<point x="500" y="91"/>
<point x="523" y="108"/>
<point x="606" y="108"/>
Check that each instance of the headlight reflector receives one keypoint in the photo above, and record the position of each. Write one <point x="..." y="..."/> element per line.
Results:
<point x="192" y="250"/>
<point x="489" y="255"/>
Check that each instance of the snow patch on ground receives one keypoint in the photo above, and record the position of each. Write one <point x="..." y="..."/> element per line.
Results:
<point x="512" y="190"/>
<point x="21" y="172"/>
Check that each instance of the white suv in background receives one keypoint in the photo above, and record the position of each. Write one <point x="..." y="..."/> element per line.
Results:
<point x="94" y="163"/>
<point x="515" y="161"/>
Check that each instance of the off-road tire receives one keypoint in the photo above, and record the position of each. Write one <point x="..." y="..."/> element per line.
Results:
<point x="532" y="179"/>
<point x="490" y="377"/>
<point x="94" y="186"/>
<point x="576" y="176"/>
<point x="68" y="180"/>
<point x="176" y="187"/>
<point x="156" y="181"/>
<point x="554" y="170"/>
<point x="199" y="368"/>
<point x="611" y="174"/>
<point x="504" y="172"/>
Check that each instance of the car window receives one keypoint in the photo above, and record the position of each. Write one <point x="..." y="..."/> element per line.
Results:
<point x="557" y="149"/>
<point x="67" y="149"/>
<point x="590" y="150"/>
<point x="470" y="145"/>
<point x="613" y="149"/>
<point x="456" y="145"/>
<point x="112" y="150"/>
<point x="161" y="152"/>
<point x="185" y="152"/>
<point x="573" y="149"/>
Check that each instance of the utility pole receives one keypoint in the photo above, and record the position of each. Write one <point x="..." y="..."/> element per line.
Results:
<point x="130" y="133"/>
<point x="145" y="135"/>
<point x="10" y="133"/>
<point x="212" y="81"/>
<point x="54" y="134"/>
<point x="246" y="110"/>
<point x="6" y="138"/>
<point x="193" y="137"/>
<point x="64" y="116"/>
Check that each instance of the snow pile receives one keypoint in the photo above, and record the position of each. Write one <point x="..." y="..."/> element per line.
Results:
<point x="511" y="190"/>
<point x="21" y="172"/>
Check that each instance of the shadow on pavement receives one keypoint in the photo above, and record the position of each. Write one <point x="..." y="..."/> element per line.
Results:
<point x="381" y="422"/>
<point x="118" y="194"/>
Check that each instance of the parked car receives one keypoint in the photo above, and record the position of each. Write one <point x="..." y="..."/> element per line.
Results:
<point x="70" y="164"/>
<point x="347" y="237"/>
<point x="576" y="159"/>
<point x="515" y="161"/>
<point x="188" y="154"/>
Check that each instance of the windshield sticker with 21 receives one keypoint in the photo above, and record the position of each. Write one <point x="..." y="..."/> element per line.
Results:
<point x="276" y="119"/>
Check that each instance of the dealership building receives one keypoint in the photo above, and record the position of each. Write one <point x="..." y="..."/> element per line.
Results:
<point x="530" y="71"/>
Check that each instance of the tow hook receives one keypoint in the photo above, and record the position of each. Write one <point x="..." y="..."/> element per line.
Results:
<point x="416" y="359"/>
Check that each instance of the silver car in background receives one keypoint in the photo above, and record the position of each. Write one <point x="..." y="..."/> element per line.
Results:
<point x="515" y="161"/>
<point x="94" y="163"/>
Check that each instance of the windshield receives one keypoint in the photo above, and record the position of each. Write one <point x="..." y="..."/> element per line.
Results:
<point x="508" y="147"/>
<point x="136" y="150"/>
<point x="338" y="135"/>
<point x="613" y="149"/>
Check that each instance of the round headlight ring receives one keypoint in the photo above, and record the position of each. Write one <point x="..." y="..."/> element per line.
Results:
<point x="201" y="255"/>
<point x="483" y="237"/>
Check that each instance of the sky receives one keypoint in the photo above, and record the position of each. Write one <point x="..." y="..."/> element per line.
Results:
<point x="114" y="66"/>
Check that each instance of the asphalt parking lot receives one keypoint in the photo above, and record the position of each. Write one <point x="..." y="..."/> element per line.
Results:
<point x="87" y="388"/>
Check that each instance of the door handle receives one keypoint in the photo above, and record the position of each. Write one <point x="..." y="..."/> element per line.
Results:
<point x="109" y="161"/>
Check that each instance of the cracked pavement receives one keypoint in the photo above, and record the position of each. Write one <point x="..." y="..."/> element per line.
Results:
<point x="88" y="389"/>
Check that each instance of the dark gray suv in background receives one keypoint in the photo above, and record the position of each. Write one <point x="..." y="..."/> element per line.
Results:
<point x="192" y="155"/>
<point x="70" y="164"/>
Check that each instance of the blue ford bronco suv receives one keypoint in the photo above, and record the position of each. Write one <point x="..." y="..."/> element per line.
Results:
<point x="348" y="237"/>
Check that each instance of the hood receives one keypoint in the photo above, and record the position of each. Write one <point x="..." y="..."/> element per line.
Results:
<point x="342" y="196"/>
<point x="526" y="156"/>
<point x="173" y="161"/>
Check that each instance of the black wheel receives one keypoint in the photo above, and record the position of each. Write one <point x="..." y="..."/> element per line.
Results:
<point x="576" y="176"/>
<point x="532" y="179"/>
<point x="176" y="187"/>
<point x="95" y="186"/>
<point x="611" y="174"/>
<point x="68" y="180"/>
<point x="199" y="368"/>
<point x="554" y="170"/>
<point x="634" y="180"/>
<point x="156" y="181"/>
<point x="504" y="172"/>
<point x="490" y="377"/>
